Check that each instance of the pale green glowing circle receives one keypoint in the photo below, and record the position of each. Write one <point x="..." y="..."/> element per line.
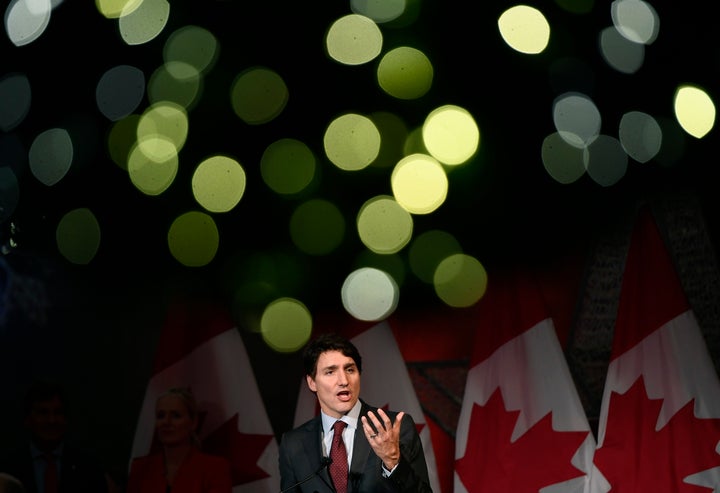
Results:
<point x="384" y="225"/>
<point x="405" y="73"/>
<point x="286" y="325"/>
<point x="78" y="236"/>
<point x="419" y="183"/>
<point x="352" y="142"/>
<point x="460" y="280"/>
<point x="193" y="239"/>
<point x="353" y="40"/>
<point x="218" y="183"/>
<point x="451" y="135"/>
<point x="370" y="294"/>
<point x="524" y="29"/>
<point x="167" y="120"/>
<point x="152" y="176"/>
<point x="141" y="23"/>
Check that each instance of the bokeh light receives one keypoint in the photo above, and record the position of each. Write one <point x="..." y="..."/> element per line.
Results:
<point x="524" y="29"/>
<point x="288" y="166"/>
<point x="352" y="141"/>
<point x="286" y="325"/>
<point x="451" y="135"/>
<point x="78" y="236"/>
<point x="16" y="96"/>
<point x="460" y="280"/>
<point x="258" y="95"/>
<point x="354" y="40"/>
<point x="193" y="239"/>
<point x="384" y="225"/>
<point x="565" y="163"/>
<point x="419" y="183"/>
<point x="142" y="22"/>
<point x="576" y="118"/>
<point x="51" y="155"/>
<point x="405" y="73"/>
<point x="640" y="135"/>
<point x="370" y="294"/>
<point x="218" y="183"/>
<point x="428" y="249"/>
<point x="120" y="91"/>
<point x="636" y="20"/>
<point x="694" y="110"/>
<point x="605" y="160"/>
<point x="27" y="20"/>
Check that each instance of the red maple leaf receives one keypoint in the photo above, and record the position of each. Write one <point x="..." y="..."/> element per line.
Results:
<point x="538" y="458"/>
<point x="240" y="449"/>
<point x="634" y="457"/>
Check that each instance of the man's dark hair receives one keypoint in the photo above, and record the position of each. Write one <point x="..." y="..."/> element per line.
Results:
<point x="329" y="342"/>
<point x="43" y="390"/>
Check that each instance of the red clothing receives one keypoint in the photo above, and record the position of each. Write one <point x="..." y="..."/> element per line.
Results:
<point x="199" y="473"/>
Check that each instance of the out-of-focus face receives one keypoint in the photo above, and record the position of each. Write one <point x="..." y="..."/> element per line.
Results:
<point x="47" y="422"/>
<point x="336" y="383"/>
<point x="173" y="423"/>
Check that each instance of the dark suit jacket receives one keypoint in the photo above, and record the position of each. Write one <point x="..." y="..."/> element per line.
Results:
<point x="79" y="471"/>
<point x="301" y="457"/>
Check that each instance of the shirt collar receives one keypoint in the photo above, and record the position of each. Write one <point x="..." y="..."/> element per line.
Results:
<point x="351" y="418"/>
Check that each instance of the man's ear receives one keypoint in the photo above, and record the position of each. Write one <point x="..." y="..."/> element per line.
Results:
<point x="311" y="383"/>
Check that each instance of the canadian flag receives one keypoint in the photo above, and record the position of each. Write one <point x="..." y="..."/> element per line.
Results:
<point x="385" y="384"/>
<point x="659" y="426"/>
<point x="522" y="427"/>
<point x="200" y="348"/>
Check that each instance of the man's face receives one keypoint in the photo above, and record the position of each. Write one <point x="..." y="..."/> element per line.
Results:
<point x="336" y="383"/>
<point x="47" y="422"/>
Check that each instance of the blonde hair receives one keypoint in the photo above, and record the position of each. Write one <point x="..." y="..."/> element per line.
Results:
<point x="186" y="396"/>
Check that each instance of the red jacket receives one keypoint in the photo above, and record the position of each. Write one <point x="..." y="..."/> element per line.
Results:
<point x="199" y="473"/>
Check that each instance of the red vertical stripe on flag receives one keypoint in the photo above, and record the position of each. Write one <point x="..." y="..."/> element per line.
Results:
<point x="642" y="305"/>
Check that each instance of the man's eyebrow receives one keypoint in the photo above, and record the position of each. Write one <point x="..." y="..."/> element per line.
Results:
<point x="330" y="367"/>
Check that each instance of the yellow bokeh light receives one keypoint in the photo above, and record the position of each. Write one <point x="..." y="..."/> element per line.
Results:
<point x="460" y="280"/>
<point x="694" y="110"/>
<point x="419" y="183"/>
<point x="193" y="239"/>
<point x="353" y="40"/>
<point x="218" y="183"/>
<point x="352" y="142"/>
<point x="384" y="225"/>
<point x="524" y="29"/>
<point x="405" y="73"/>
<point x="451" y="135"/>
<point x="286" y="325"/>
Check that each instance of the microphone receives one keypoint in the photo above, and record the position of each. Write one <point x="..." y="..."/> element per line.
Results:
<point x="324" y="462"/>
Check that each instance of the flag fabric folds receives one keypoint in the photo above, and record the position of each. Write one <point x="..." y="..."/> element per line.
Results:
<point x="385" y="384"/>
<point x="200" y="348"/>
<point x="659" y="426"/>
<point x="522" y="427"/>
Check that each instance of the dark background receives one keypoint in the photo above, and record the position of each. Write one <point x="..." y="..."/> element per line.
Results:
<point x="95" y="326"/>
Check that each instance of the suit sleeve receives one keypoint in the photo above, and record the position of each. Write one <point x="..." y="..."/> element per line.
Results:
<point x="411" y="473"/>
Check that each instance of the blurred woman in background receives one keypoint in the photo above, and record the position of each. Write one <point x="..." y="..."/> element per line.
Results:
<point x="180" y="466"/>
